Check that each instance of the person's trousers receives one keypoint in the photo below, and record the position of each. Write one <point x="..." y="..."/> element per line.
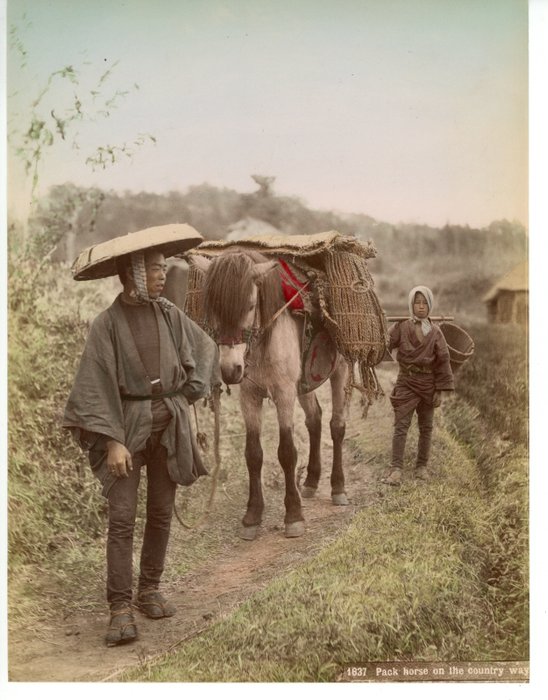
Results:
<point x="425" y="416"/>
<point x="122" y="510"/>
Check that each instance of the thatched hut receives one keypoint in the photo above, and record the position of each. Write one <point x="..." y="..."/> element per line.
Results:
<point x="249" y="226"/>
<point x="508" y="300"/>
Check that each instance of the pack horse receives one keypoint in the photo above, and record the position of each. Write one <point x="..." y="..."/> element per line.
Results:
<point x="260" y="349"/>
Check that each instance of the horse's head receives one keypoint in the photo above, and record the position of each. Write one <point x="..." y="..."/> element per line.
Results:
<point x="231" y="301"/>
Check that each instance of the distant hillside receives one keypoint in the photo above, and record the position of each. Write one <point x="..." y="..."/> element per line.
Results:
<point x="459" y="263"/>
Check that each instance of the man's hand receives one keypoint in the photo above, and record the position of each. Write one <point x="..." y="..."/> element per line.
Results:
<point x="437" y="399"/>
<point x="118" y="459"/>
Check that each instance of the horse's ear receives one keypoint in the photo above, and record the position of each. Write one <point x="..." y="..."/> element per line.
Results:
<point x="260" y="269"/>
<point x="200" y="262"/>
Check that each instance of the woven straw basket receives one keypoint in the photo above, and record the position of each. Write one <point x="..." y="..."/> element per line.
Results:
<point x="460" y="344"/>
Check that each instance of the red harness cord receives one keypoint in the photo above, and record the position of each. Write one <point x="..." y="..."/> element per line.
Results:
<point x="290" y="285"/>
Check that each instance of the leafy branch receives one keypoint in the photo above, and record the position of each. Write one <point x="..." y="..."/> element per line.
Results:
<point x="107" y="155"/>
<point x="48" y="124"/>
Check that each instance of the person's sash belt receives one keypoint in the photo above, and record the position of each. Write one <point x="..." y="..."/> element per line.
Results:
<point x="151" y="397"/>
<point x="414" y="369"/>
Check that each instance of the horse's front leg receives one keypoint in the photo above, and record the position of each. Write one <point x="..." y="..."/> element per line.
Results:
<point x="313" y="422"/>
<point x="251" y="405"/>
<point x="287" y="455"/>
<point x="338" y="429"/>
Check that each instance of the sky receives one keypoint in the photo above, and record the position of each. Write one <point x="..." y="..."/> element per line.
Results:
<point x="405" y="110"/>
<point x="410" y="110"/>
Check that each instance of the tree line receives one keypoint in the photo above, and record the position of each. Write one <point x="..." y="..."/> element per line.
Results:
<point x="75" y="217"/>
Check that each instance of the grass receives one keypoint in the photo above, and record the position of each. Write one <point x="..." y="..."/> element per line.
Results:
<point x="403" y="583"/>
<point x="436" y="572"/>
<point x="57" y="515"/>
<point x="431" y="572"/>
<point x="495" y="380"/>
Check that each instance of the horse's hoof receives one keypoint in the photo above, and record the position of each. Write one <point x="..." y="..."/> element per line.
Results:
<point x="295" y="529"/>
<point x="339" y="499"/>
<point x="308" y="492"/>
<point x="249" y="532"/>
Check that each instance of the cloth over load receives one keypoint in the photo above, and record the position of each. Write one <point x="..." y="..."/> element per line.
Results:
<point x="340" y="289"/>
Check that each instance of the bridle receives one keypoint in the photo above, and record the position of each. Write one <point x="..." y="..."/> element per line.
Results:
<point x="253" y="335"/>
<point x="249" y="335"/>
<point x="245" y="335"/>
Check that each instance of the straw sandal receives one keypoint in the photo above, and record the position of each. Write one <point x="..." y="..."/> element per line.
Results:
<point x="122" y="628"/>
<point x="393" y="479"/>
<point x="153" y="604"/>
<point x="422" y="473"/>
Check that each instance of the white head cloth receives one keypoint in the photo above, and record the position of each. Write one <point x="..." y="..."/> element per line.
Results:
<point x="426" y="324"/>
<point x="140" y="279"/>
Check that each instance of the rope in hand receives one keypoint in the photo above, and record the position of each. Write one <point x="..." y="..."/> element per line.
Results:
<point x="215" y="402"/>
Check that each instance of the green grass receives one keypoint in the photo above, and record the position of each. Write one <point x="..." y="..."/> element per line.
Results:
<point x="435" y="572"/>
<point x="56" y="518"/>
<point x="429" y="572"/>
<point x="57" y="515"/>
<point x="495" y="379"/>
<point x="403" y="583"/>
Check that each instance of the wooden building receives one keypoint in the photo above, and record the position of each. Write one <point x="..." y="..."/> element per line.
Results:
<point x="508" y="300"/>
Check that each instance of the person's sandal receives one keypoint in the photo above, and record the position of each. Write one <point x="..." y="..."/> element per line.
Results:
<point x="422" y="473"/>
<point x="154" y="605"/>
<point x="393" y="479"/>
<point x="122" y="628"/>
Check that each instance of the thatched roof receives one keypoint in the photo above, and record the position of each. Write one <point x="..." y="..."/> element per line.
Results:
<point x="250" y="227"/>
<point x="517" y="280"/>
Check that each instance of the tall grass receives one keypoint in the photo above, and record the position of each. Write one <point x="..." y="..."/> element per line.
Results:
<point x="54" y="515"/>
<point x="408" y="580"/>
<point x="491" y="417"/>
<point x="495" y="380"/>
<point x="435" y="572"/>
<point x="432" y="573"/>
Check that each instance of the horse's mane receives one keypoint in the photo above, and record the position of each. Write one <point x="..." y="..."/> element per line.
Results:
<point x="228" y="286"/>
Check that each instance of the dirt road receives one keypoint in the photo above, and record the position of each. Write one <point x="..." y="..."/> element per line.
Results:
<point x="71" y="648"/>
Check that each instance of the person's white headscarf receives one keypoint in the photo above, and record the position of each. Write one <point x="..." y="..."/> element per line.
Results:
<point x="426" y="324"/>
<point x="140" y="280"/>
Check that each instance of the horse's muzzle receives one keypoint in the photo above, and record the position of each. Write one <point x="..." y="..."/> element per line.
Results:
<point x="232" y="360"/>
<point x="233" y="374"/>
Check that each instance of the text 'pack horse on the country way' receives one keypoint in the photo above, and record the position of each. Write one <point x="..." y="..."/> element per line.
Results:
<point x="260" y="349"/>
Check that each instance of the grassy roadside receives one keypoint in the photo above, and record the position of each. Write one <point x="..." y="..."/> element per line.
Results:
<point x="57" y="515"/>
<point x="434" y="572"/>
<point x="412" y="578"/>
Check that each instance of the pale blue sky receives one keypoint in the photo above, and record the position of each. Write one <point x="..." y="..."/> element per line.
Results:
<point x="432" y="128"/>
<point x="406" y="110"/>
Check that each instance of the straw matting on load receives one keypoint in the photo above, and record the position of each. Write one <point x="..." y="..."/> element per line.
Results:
<point x="99" y="260"/>
<point x="353" y="316"/>
<point x="342" y="288"/>
<point x="313" y="247"/>
<point x="193" y="298"/>
<point x="460" y="344"/>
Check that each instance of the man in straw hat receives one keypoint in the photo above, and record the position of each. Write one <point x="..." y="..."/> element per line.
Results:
<point x="143" y="364"/>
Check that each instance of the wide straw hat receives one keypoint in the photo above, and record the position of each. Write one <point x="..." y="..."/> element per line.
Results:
<point x="99" y="260"/>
